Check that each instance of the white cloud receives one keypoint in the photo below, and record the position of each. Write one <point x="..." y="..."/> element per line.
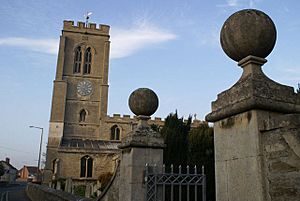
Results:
<point x="232" y="3"/>
<point x="251" y="3"/>
<point x="240" y="3"/>
<point x="49" y="46"/>
<point x="229" y="3"/>
<point x="124" y="42"/>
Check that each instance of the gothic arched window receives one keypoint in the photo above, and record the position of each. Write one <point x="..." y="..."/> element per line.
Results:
<point x="86" y="166"/>
<point x="115" y="133"/>
<point x="82" y="115"/>
<point x="87" y="61"/>
<point x="77" y="60"/>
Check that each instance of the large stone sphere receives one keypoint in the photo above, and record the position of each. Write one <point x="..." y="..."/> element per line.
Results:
<point x="248" y="32"/>
<point x="143" y="101"/>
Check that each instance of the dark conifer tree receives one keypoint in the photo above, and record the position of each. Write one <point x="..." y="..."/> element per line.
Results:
<point x="189" y="146"/>
<point x="175" y="133"/>
<point x="201" y="152"/>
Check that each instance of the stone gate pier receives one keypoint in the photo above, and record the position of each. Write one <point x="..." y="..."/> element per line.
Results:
<point x="256" y="121"/>
<point x="139" y="147"/>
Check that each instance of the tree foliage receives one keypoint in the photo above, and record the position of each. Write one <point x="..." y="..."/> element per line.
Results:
<point x="190" y="146"/>
<point x="175" y="133"/>
<point x="201" y="153"/>
<point x="201" y="147"/>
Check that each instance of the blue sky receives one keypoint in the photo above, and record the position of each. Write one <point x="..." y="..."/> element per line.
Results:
<point x="170" y="46"/>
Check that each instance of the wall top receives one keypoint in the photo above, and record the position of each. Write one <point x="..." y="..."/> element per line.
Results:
<point x="90" y="28"/>
<point x="254" y="90"/>
<point x="118" y="118"/>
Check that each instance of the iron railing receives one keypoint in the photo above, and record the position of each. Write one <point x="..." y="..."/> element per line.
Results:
<point x="162" y="185"/>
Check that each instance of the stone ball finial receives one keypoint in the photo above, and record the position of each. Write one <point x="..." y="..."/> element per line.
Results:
<point x="248" y="32"/>
<point x="143" y="101"/>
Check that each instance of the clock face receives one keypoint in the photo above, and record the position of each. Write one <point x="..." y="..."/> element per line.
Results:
<point x="84" y="88"/>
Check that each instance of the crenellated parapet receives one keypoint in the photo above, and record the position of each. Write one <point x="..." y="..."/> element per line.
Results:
<point x="127" y="119"/>
<point x="90" y="28"/>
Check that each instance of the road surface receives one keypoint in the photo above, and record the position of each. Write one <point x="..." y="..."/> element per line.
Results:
<point x="13" y="192"/>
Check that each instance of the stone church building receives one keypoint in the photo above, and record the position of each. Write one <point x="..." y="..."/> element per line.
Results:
<point x="83" y="140"/>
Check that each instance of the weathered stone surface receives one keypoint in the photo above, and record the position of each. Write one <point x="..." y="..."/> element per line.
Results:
<point x="281" y="142"/>
<point x="69" y="184"/>
<point x="139" y="147"/>
<point x="111" y="192"/>
<point x="248" y="32"/>
<point x="257" y="138"/>
<point x="254" y="90"/>
<point x="143" y="101"/>
<point x="239" y="180"/>
<point x="143" y="138"/>
<point x="44" y="193"/>
<point x="133" y="161"/>
<point x="256" y="121"/>
<point x="257" y="156"/>
<point x="238" y="158"/>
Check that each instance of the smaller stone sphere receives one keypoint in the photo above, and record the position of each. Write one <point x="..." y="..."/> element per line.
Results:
<point x="248" y="32"/>
<point x="143" y="101"/>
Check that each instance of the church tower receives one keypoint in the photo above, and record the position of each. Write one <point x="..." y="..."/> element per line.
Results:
<point x="83" y="140"/>
<point x="82" y="80"/>
<point x="80" y="92"/>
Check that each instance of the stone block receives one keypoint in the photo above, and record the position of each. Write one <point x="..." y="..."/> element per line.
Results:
<point x="237" y="137"/>
<point x="240" y="178"/>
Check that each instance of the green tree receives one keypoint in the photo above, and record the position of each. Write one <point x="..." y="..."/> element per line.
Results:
<point x="2" y="170"/>
<point x="175" y="133"/>
<point x="201" y="152"/>
<point x="190" y="146"/>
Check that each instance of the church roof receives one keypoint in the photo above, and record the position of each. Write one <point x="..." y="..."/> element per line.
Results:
<point x="90" y="144"/>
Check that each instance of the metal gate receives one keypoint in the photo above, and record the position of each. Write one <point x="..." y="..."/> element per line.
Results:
<point x="183" y="185"/>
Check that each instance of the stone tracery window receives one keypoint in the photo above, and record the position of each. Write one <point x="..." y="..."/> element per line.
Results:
<point x="115" y="133"/>
<point x="77" y="60"/>
<point x="87" y="61"/>
<point x="86" y="166"/>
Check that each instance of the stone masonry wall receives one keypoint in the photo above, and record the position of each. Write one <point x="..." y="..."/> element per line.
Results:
<point x="127" y="123"/>
<point x="111" y="192"/>
<point x="43" y="193"/>
<point x="70" y="165"/>
<point x="281" y="141"/>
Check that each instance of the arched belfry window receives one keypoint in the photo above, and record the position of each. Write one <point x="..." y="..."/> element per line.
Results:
<point x="77" y="60"/>
<point x="87" y="61"/>
<point x="82" y="115"/>
<point x="115" y="133"/>
<point x="86" y="166"/>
